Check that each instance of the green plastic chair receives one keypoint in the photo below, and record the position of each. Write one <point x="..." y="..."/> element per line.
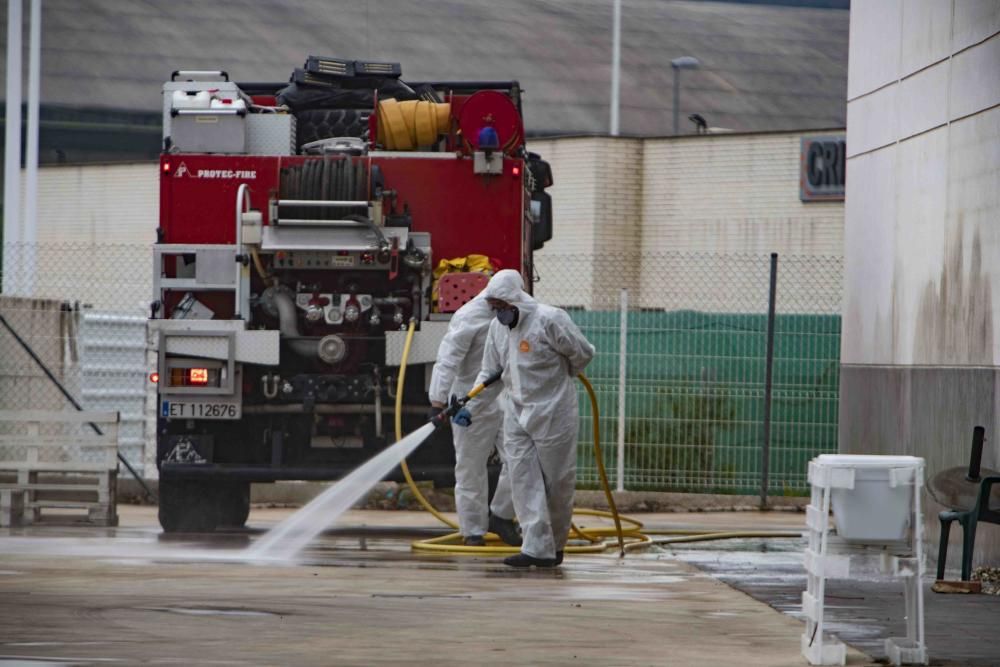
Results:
<point x="968" y="519"/>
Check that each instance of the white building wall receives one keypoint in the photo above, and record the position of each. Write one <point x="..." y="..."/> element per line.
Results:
<point x="922" y="193"/>
<point x="722" y="195"/>
<point x="734" y="194"/>
<point x="597" y="218"/>
<point x="116" y="204"/>
<point x="617" y="199"/>
<point x="96" y="226"/>
<point x="559" y="280"/>
<point x="920" y="349"/>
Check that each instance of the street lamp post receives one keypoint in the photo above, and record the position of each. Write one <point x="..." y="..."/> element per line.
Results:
<point x="616" y="57"/>
<point x="684" y="62"/>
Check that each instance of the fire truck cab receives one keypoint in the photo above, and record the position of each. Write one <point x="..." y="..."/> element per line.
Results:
<point x="302" y="229"/>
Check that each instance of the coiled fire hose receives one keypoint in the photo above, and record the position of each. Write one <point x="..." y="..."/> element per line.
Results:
<point x="596" y="538"/>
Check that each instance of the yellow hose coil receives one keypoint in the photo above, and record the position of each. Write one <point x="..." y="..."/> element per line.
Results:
<point x="598" y="538"/>
<point x="408" y="125"/>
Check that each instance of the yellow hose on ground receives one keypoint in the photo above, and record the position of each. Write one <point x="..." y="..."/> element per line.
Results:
<point x="599" y="457"/>
<point x="599" y="538"/>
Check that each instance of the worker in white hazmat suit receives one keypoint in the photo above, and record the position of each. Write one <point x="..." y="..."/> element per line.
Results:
<point x="541" y="351"/>
<point x="476" y="429"/>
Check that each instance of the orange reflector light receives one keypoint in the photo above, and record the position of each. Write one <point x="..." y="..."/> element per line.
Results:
<point x="198" y="375"/>
<point x="154" y="377"/>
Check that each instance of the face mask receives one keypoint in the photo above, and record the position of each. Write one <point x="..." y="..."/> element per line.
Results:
<point x="509" y="316"/>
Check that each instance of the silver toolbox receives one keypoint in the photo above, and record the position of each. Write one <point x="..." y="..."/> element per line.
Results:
<point x="209" y="131"/>
<point x="271" y="134"/>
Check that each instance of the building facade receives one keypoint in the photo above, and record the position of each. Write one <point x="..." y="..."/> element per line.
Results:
<point x="920" y="349"/>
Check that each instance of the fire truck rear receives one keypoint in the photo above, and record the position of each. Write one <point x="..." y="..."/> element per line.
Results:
<point x="301" y="228"/>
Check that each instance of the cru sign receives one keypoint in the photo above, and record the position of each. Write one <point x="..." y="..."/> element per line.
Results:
<point x="821" y="176"/>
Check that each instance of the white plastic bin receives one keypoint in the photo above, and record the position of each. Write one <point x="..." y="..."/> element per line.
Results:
<point x="876" y="509"/>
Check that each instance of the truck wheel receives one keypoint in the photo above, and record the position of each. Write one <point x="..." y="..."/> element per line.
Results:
<point x="234" y="504"/>
<point x="187" y="507"/>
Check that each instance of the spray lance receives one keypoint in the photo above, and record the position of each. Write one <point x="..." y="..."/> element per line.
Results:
<point x="457" y="405"/>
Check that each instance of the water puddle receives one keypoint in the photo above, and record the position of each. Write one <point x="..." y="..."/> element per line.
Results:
<point x="207" y="611"/>
<point x="422" y="596"/>
<point x="11" y="660"/>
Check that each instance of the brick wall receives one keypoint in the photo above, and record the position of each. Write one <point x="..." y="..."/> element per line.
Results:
<point x="596" y="206"/>
<point x="717" y="194"/>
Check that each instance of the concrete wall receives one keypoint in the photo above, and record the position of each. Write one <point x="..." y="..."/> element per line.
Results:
<point x="920" y="348"/>
<point x="94" y="222"/>
<point x="680" y="203"/>
<point x="729" y="195"/>
<point x="596" y="201"/>
<point x="734" y="194"/>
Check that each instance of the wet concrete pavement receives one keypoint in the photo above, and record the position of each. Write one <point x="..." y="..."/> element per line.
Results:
<point x="960" y="629"/>
<point x="129" y="595"/>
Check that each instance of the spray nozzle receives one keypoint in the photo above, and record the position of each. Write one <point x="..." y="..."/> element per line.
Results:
<point x="456" y="403"/>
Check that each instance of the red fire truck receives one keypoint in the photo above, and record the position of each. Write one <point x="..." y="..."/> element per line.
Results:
<point x="300" y="228"/>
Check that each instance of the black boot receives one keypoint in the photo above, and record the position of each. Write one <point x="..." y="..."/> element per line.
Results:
<point x="506" y="530"/>
<point x="475" y="541"/>
<point x="559" y="557"/>
<point x="523" y="560"/>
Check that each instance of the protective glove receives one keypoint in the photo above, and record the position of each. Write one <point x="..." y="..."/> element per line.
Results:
<point x="462" y="418"/>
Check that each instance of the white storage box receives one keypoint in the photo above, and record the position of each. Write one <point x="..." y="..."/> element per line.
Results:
<point x="878" y="506"/>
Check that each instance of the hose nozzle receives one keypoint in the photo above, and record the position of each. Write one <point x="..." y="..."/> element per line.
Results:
<point x="457" y="404"/>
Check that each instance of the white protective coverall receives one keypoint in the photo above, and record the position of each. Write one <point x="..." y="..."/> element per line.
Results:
<point x="541" y="357"/>
<point x="458" y="363"/>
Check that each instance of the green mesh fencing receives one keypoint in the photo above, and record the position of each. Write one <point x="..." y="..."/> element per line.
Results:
<point x="695" y="382"/>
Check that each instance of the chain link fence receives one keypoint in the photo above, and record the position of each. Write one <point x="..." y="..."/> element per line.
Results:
<point x="73" y="328"/>
<point x="694" y="328"/>
<point x="681" y="365"/>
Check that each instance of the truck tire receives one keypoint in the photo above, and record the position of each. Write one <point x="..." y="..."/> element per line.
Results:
<point x="187" y="506"/>
<point x="234" y="504"/>
<point x="316" y="124"/>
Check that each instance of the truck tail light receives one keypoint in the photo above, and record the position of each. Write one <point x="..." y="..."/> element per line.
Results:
<point x="154" y="377"/>
<point x="198" y="376"/>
